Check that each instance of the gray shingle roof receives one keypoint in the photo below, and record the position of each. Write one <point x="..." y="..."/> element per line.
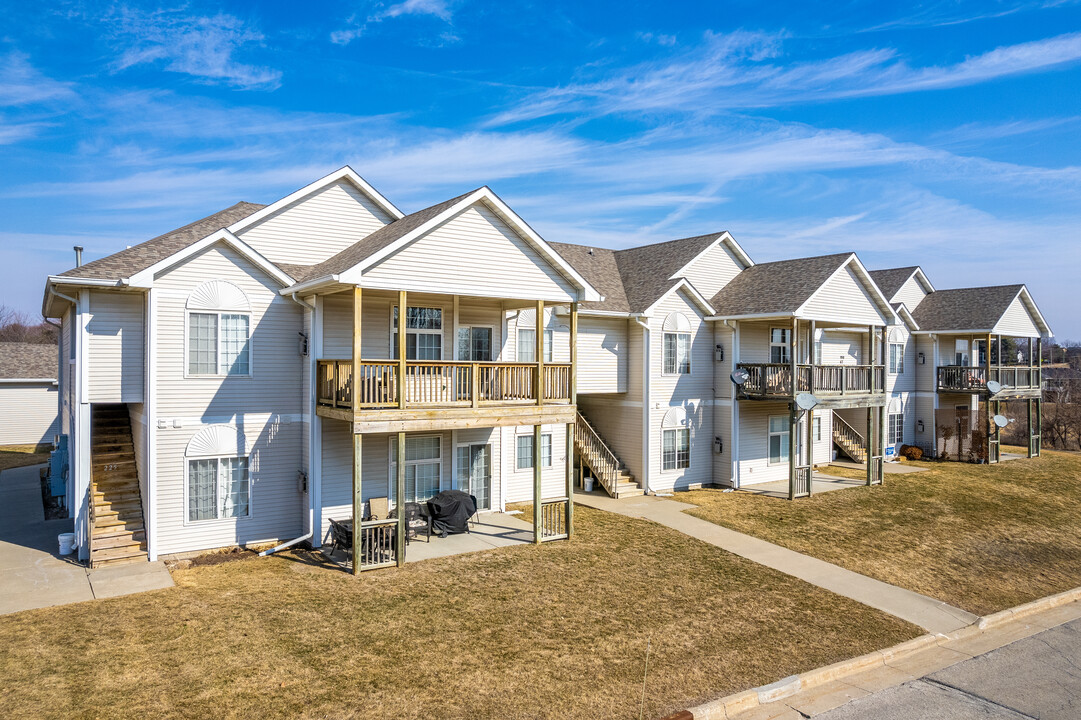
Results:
<point x="632" y="280"/>
<point x="381" y="238"/>
<point x="978" y="308"/>
<point x="890" y="281"/>
<point x="26" y="360"/>
<point x="139" y="257"/>
<point x="777" y="287"/>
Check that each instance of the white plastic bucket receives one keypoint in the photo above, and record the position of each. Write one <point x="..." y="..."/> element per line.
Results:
<point x="588" y="484"/>
<point x="67" y="543"/>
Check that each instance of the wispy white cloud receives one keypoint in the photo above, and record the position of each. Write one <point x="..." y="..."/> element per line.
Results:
<point x="358" y="24"/>
<point x="22" y="84"/>
<point x="203" y="47"/>
<point x="737" y="70"/>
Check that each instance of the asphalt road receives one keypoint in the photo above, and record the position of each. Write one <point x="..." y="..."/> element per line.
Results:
<point x="1038" y="677"/>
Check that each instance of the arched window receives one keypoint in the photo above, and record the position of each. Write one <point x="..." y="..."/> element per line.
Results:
<point x="677" y="344"/>
<point x="895" y="422"/>
<point x="218" y="485"/>
<point x="897" y="352"/>
<point x="218" y="330"/>
<point x="675" y="440"/>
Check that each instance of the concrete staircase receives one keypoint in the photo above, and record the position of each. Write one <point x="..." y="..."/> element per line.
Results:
<point x="849" y="440"/>
<point x="606" y="467"/>
<point x="117" y="528"/>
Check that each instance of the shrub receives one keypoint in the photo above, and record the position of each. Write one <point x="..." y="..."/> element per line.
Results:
<point x="911" y="452"/>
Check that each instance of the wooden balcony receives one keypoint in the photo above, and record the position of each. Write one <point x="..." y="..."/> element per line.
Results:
<point x="443" y="395"/>
<point x="836" y="385"/>
<point x="1017" y="381"/>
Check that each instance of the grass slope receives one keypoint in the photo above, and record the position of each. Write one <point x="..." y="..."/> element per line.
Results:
<point x="557" y="631"/>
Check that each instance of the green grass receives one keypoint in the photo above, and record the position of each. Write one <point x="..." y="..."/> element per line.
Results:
<point x="556" y="631"/>
<point x="13" y="456"/>
<point x="981" y="537"/>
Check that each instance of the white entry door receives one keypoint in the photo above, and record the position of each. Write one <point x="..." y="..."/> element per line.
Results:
<point x="475" y="473"/>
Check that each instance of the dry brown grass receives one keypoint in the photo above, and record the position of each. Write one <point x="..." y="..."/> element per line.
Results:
<point x="981" y="537"/>
<point x="13" y="456"/>
<point x="557" y="631"/>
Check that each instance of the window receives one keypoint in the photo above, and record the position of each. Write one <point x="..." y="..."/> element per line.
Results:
<point x="422" y="468"/>
<point x="475" y="344"/>
<point x="677" y="353"/>
<point x="676" y="449"/>
<point x="527" y="345"/>
<point x="525" y="451"/>
<point x="895" y="428"/>
<point x="778" y="345"/>
<point x="218" y="488"/>
<point x="219" y="344"/>
<point x="816" y="428"/>
<point x="778" y="439"/>
<point x="897" y="358"/>
<point x="423" y="333"/>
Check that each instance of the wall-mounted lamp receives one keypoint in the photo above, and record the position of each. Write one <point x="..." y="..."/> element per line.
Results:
<point x="921" y="358"/>
<point x="919" y="426"/>
<point x="718" y="353"/>
<point x="718" y="445"/>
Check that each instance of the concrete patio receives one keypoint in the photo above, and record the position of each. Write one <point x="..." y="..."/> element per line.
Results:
<point x="32" y="572"/>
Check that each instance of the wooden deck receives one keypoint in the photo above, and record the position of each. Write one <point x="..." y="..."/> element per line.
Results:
<point x="1017" y="381"/>
<point x="832" y="385"/>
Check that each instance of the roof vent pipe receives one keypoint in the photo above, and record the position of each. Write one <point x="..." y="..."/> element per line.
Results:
<point x="78" y="256"/>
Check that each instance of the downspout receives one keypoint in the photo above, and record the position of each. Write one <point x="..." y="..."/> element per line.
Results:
<point x="645" y="402"/>
<point x="310" y="533"/>
<point x="733" y="431"/>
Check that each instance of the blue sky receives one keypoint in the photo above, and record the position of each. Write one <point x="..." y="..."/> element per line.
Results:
<point x="941" y="133"/>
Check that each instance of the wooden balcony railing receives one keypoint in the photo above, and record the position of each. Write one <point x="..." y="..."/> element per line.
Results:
<point x="438" y="384"/>
<point x="774" y="380"/>
<point x="960" y="378"/>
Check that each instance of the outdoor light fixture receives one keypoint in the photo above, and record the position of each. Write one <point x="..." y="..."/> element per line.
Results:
<point x="718" y="445"/>
<point x="919" y="426"/>
<point x="922" y="359"/>
<point x="718" y="353"/>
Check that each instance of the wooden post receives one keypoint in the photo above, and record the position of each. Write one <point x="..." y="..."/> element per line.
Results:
<point x="792" y="357"/>
<point x="358" y="314"/>
<point x="987" y="403"/>
<point x="537" y="484"/>
<point x="1039" y="426"/>
<point x="869" y="443"/>
<point x="871" y="346"/>
<point x="814" y="359"/>
<point x="792" y="438"/>
<point x="810" y="452"/>
<point x="399" y="549"/>
<point x="1029" y="404"/>
<point x="539" y="348"/>
<point x="402" y="323"/>
<point x="358" y="503"/>
<point x="574" y="354"/>
<point x="570" y="479"/>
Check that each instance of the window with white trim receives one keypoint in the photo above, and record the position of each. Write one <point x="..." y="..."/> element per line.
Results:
<point x="816" y="428"/>
<point x="778" y="439"/>
<point x="219" y="343"/>
<point x="218" y="487"/>
<point x="779" y="345"/>
<point x="677" y="353"/>
<point x="423" y="333"/>
<point x="676" y="449"/>
<point x="475" y="344"/>
<point x="895" y="428"/>
<point x="423" y="468"/>
<point x="524" y="451"/>
<point x="897" y="358"/>
<point x="527" y="345"/>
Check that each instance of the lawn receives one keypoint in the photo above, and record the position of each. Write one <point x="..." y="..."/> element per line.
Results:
<point x="13" y="456"/>
<point x="981" y="537"/>
<point x="556" y="631"/>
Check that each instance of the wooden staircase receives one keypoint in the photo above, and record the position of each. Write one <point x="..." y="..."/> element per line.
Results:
<point x="606" y="467"/>
<point x="117" y="529"/>
<point x="849" y="439"/>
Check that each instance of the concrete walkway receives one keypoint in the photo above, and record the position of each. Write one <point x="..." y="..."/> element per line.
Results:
<point x="930" y="614"/>
<point x="32" y="572"/>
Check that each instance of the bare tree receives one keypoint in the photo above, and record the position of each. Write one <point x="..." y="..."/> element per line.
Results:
<point x="19" y="327"/>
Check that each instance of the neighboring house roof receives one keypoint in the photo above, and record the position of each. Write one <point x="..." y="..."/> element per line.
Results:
<point x="903" y="312"/>
<point x="890" y="281"/>
<point x="964" y="309"/>
<point x="632" y="280"/>
<point x="361" y="250"/>
<point x="27" y="361"/>
<point x="139" y="257"/>
<point x="779" y="288"/>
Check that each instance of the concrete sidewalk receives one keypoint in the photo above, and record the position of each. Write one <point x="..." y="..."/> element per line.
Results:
<point x="932" y="615"/>
<point x="32" y="572"/>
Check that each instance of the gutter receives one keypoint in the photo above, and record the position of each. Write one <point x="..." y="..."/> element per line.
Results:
<point x="645" y="401"/>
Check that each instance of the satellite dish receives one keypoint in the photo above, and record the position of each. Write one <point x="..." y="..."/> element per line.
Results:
<point x="740" y="376"/>
<point x="994" y="387"/>
<point x="806" y="401"/>
<point x="1001" y="420"/>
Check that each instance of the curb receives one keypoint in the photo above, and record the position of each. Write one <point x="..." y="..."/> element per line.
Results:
<point x="730" y="705"/>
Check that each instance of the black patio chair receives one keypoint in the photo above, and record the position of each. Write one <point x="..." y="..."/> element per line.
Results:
<point x="417" y="520"/>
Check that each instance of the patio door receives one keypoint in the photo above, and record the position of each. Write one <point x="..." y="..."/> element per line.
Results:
<point x="475" y="473"/>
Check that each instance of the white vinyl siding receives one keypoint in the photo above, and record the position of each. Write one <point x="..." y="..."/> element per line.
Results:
<point x="911" y="294"/>
<point x="29" y="412"/>
<point x="1017" y="321"/>
<point x="713" y="269"/>
<point x="844" y="298"/>
<point x="500" y="262"/>
<point x="317" y="226"/>
<point x="603" y="355"/>
<point x="115" y="347"/>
